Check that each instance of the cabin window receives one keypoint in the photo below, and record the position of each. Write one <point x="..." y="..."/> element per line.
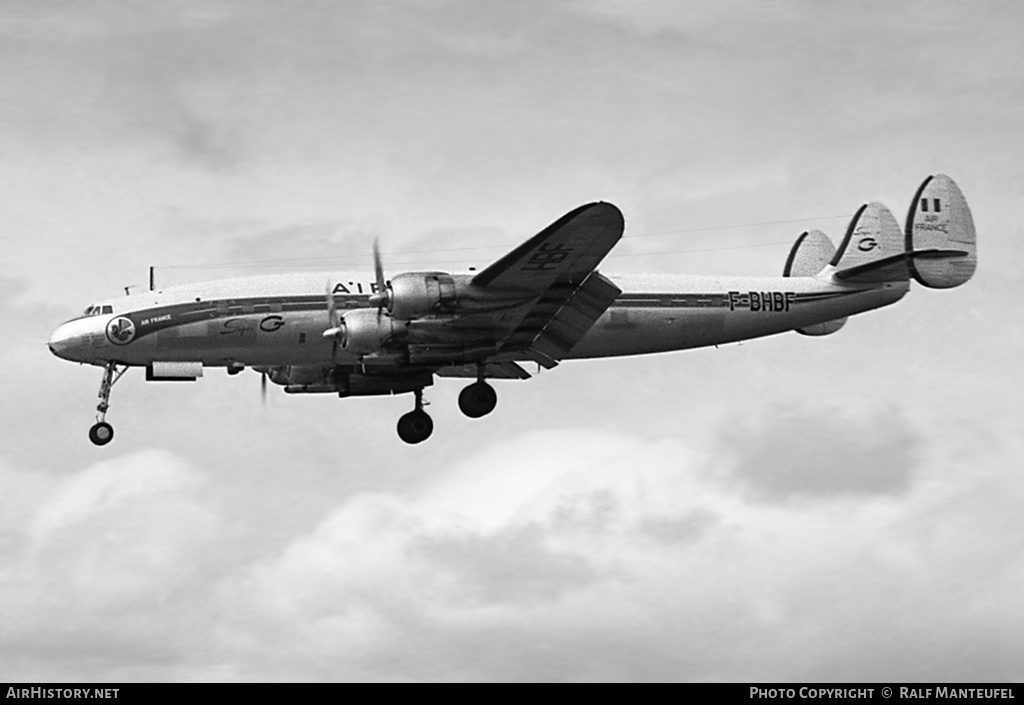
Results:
<point x="924" y="205"/>
<point x="935" y="205"/>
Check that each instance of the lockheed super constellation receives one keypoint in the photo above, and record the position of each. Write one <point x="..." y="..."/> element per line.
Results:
<point x="543" y="302"/>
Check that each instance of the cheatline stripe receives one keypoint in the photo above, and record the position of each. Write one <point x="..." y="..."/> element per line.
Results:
<point x="185" y="313"/>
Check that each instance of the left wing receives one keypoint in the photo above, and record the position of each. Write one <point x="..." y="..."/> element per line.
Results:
<point x="574" y="244"/>
<point x="558" y="266"/>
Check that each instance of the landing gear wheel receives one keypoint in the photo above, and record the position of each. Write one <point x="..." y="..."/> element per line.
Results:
<point x="415" y="427"/>
<point x="478" y="399"/>
<point x="101" y="433"/>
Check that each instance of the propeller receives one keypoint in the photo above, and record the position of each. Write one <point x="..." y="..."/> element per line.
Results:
<point x="337" y="325"/>
<point x="381" y="298"/>
<point x="263" y="388"/>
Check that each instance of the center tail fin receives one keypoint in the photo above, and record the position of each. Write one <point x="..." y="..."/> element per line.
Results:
<point x="873" y="249"/>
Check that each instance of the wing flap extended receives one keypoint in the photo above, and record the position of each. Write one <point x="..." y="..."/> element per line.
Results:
<point x="552" y="278"/>
<point x="562" y="317"/>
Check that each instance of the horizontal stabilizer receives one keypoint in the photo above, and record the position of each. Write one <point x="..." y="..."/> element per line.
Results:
<point x="894" y="267"/>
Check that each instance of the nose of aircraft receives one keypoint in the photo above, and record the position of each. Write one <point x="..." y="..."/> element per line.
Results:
<point x="71" y="339"/>
<point x="61" y="341"/>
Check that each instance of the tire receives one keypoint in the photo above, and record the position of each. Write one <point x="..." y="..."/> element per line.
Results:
<point x="478" y="399"/>
<point x="101" y="433"/>
<point x="415" y="427"/>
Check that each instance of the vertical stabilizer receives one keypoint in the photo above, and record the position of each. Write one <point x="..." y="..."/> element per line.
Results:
<point x="940" y="220"/>
<point x="873" y="235"/>
<point x="811" y="253"/>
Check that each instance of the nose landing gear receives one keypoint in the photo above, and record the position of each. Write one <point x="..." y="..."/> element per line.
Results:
<point x="416" y="426"/>
<point x="101" y="432"/>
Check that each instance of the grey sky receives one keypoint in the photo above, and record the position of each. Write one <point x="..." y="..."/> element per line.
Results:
<point x="843" y="508"/>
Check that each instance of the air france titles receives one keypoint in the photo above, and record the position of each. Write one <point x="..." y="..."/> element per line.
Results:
<point x="355" y="288"/>
<point x="767" y="301"/>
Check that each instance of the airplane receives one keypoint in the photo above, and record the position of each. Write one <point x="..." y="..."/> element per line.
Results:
<point x="543" y="302"/>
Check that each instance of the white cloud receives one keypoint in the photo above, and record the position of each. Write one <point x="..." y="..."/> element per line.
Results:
<point x="594" y="544"/>
<point x="102" y="552"/>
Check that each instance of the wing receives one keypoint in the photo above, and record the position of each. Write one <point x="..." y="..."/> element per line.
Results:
<point x="557" y="266"/>
<point x="574" y="244"/>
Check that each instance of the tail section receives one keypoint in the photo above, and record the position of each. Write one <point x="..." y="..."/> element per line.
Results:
<point x="940" y="222"/>
<point x="873" y="237"/>
<point x="810" y="254"/>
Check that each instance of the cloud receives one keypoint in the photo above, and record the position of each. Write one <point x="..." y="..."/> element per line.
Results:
<point x="795" y="453"/>
<point x="10" y="289"/>
<point x="574" y="555"/>
<point x="567" y="554"/>
<point x="103" y="564"/>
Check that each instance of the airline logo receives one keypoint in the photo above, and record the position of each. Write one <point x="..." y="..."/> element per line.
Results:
<point x="121" y="331"/>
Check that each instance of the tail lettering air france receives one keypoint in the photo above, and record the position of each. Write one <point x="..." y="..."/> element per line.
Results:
<point x="937" y="248"/>
<point x="940" y="222"/>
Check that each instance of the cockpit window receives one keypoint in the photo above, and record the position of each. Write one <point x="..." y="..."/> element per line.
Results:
<point x="98" y="310"/>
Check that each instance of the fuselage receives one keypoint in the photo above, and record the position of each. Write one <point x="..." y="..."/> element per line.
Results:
<point x="280" y="319"/>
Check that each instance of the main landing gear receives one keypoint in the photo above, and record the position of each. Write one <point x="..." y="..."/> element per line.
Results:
<point x="478" y="399"/>
<point x="102" y="433"/>
<point x="416" y="426"/>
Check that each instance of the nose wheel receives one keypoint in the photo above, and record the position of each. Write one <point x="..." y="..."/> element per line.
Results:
<point x="416" y="426"/>
<point x="101" y="432"/>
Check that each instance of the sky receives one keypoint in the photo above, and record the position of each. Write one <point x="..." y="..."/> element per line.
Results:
<point x="844" y="508"/>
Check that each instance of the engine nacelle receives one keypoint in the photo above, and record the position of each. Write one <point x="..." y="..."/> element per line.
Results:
<point x="363" y="331"/>
<point x="415" y="294"/>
